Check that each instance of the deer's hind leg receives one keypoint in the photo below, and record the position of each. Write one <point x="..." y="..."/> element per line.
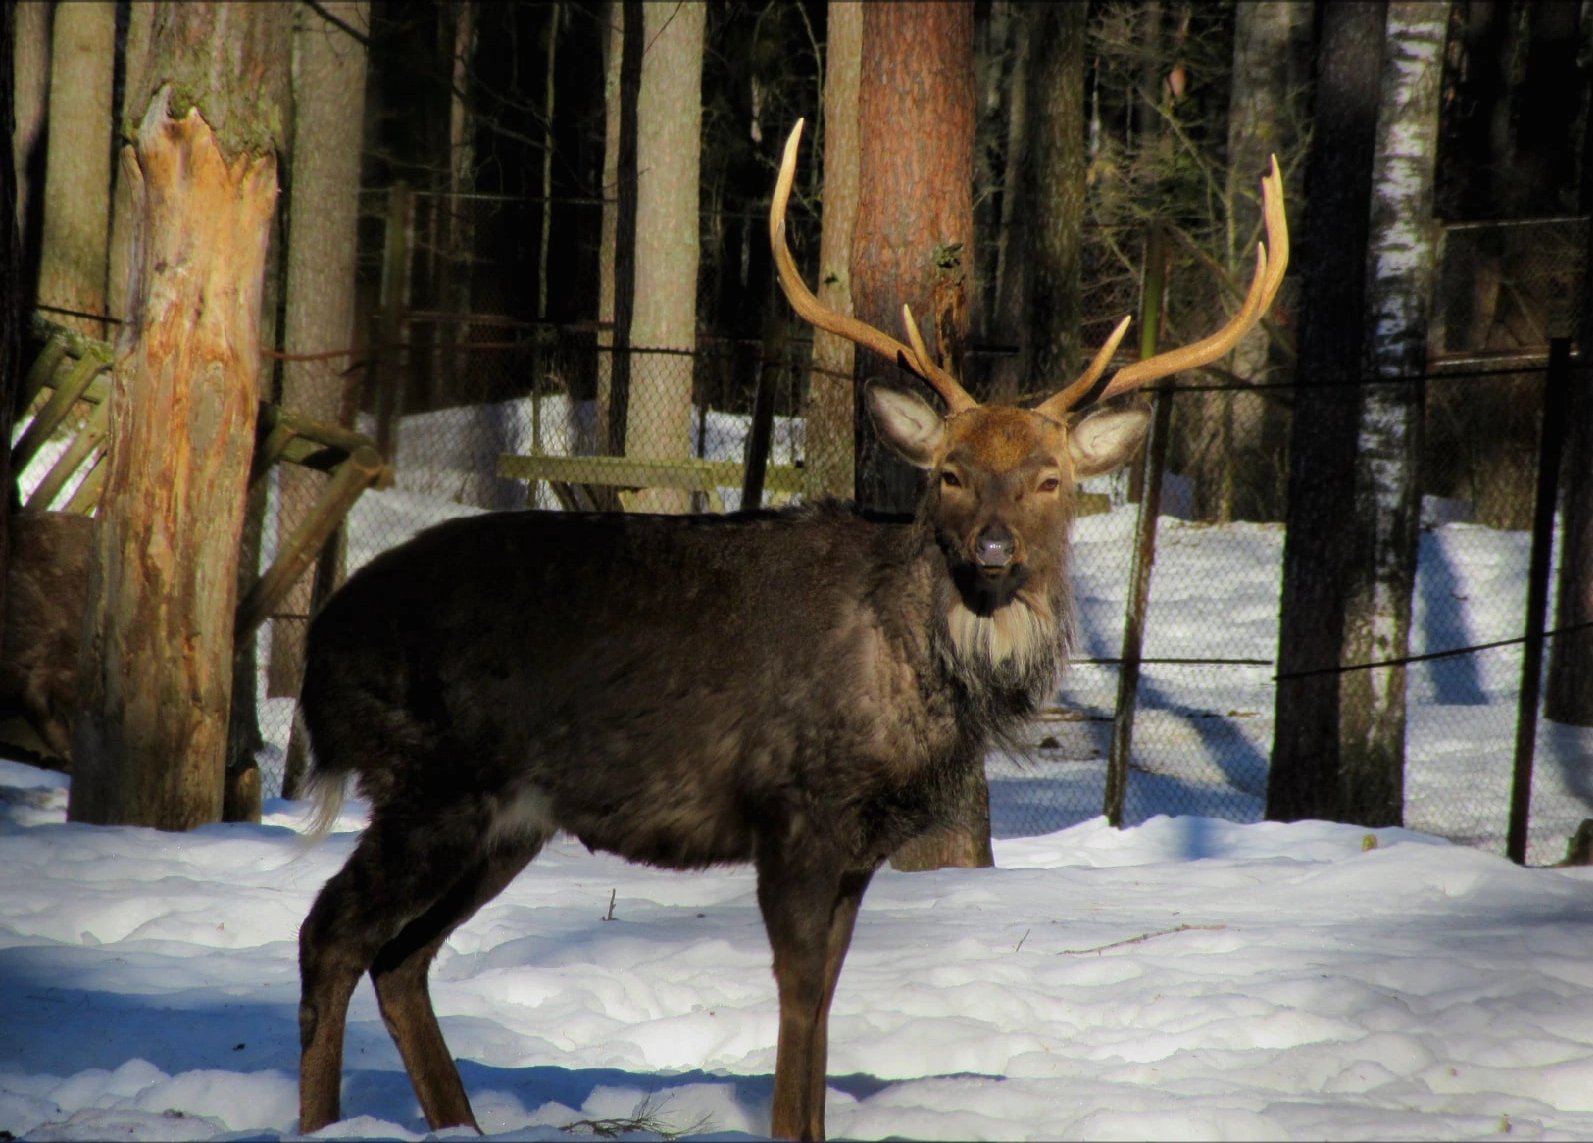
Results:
<point x="413" y="879"/>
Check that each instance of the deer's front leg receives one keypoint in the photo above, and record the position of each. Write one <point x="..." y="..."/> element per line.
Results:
<point x="798" y="900"/>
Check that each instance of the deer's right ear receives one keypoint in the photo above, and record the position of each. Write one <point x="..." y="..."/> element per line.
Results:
<point x="910" y="427"/>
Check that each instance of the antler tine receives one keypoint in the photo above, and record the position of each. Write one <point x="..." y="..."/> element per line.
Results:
<point x="1272" y="260"/>
<point x="802" y="299"/>
<point x="950" y="389"/>
<point x="1057" y="406"/>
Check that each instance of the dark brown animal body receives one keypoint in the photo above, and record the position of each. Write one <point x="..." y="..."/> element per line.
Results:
<point x="802" y="690"/>
<point x="46" y="584"/>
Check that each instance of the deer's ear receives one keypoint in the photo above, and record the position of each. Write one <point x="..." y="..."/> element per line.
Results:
<point x="910" y="427"/>
<point x="1106" y="439"/>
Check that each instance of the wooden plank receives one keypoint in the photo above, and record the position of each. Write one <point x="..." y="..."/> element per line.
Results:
<point x="630" y="472"/>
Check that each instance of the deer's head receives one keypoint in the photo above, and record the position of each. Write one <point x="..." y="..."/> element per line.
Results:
<point x="1002" y="478"/>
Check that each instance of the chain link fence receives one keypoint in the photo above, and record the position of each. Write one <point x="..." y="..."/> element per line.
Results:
<point x="539" y="415"/>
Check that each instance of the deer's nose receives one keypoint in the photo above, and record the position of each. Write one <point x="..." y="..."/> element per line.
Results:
<point x="994" y="547"/>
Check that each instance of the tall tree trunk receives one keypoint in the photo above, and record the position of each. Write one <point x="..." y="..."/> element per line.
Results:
<point x="135" y="80"/>
<point x="829" y="459"/>
<point x="913" y="245"/>
<point x="11" y="295"/>
<point x="913" y="242"/>
<point x="323" y="210"/>
<point x="1008" y="290"/>
<point x="155" y="668"/>
<point x="30" y="94"/>
<point x="1568" y="689"/>
<point x="1235" y="443"/>
<point x="668" y="157"/>
<point x="1402" y="255"/>
<point x="1054" y="195"/>
<point x="77" y="176"/>
<point x="1320" y="546"/>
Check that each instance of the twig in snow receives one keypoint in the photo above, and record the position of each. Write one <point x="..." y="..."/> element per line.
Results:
<point x="1143" y="937"/>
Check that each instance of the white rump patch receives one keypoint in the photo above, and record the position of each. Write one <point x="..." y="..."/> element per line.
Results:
<point x="1018" y="635"/>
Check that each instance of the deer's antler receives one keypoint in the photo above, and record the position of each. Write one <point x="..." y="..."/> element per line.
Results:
<point x="1272" y="259"/>
<point x="811" y="310"/>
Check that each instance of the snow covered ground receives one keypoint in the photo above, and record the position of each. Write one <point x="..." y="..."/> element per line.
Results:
<point x="1186" y="978"/>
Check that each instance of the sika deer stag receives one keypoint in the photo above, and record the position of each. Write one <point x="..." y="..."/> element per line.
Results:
<point x="499" y="678"/>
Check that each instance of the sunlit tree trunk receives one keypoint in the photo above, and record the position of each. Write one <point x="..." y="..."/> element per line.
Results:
<point x="829" y="470"/>
<point x="329" y="119"/>
<point x="913" y="245"/>
<point x="149" y="742"/>
<point x="77" y="176"/>
<point x="913" y="241"/>
<point x="668" y="156"/>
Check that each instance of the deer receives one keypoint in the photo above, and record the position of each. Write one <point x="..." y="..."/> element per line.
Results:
<point x="500" y="678"/>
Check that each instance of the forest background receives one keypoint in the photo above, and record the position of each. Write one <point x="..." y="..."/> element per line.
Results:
<point x="446" y="205"/>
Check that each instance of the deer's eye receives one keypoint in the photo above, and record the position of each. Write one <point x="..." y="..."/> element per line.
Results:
<point x="1050" y="484"/>
<point x="948" y="479"/>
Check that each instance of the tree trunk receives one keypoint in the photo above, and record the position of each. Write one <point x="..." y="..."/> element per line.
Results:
<point x="329" y="120"/>
<point x="156" y="664"/>
<point x="912" y="243"/>
<point x="136" y="61"/>
<point x="829" y="467"/>
<point x="668" y="156"/>
<point x="77" y="176"/>
<point x="1568" y="690"/>
<point x="1235" y="442"/>
<point x="1402" y="255"/>
<point x="1008" y="289"/>
<point x="1322" y="542"/>
<point x="1055" y="194"/>
<point x="914" y="230"/>
<point x="11" y="296"/>
<point x="29" y="93"/>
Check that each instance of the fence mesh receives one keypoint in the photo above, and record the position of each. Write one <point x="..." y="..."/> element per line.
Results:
<point x="491" y="412"/>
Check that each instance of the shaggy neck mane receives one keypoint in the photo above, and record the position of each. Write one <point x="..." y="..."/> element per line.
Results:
<point x="1014" y="654"/>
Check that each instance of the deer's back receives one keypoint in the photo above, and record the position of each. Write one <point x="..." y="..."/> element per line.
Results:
<point x="661" y="687"/>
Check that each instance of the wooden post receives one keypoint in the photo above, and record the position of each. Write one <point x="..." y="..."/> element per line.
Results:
<point x="1551" y="442"/>
<point x="1144" y="537"/>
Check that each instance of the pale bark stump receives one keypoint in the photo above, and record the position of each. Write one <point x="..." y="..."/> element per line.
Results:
<point x="149" y="742"/>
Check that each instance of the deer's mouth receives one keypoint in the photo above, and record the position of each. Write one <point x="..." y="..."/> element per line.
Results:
<point x="984" y="588"/>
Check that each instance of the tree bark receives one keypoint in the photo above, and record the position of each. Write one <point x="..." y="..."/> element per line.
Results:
<point x="668" y="158"/>
<point x="914" y="231"/>
<point x="329" y="121"/>
<point x="829" y="460"/>
<point x="1055" y="195"/>
<point x="156" y="665"/>
<point x="29" y="94"/>
<point x="11" y="296"/>
<point x="1322" y="541"/>
<point x="1402" y="256"/>
<point x="1235" y="443"/>
<point x="913" y="244"/>
<point x="1568" y="690"/>
<point x="77" y="178"/>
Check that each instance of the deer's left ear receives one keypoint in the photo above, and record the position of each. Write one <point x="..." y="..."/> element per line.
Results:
<point x="1106" y="439"/>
